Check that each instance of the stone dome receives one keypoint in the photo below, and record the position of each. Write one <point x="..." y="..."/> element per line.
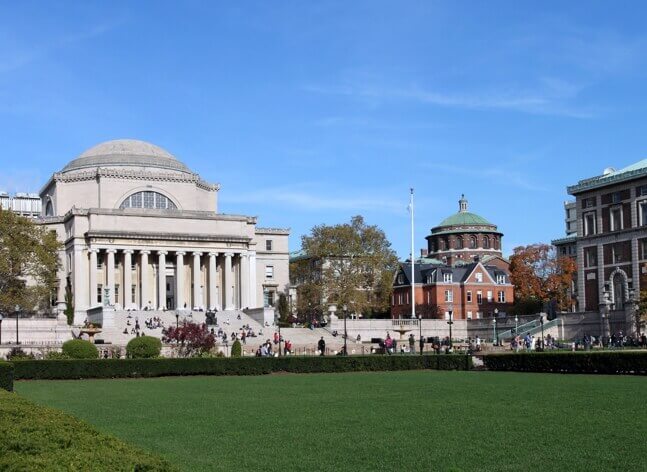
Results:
<point x="126" y="153"/>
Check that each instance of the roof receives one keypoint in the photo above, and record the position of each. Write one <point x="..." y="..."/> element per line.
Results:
<point x="126" y="152"/>
<point x="459" y="273"/>
<point x="464" y="218"/>
<point x="610" y="176"/>
<point x="566" y="240"/>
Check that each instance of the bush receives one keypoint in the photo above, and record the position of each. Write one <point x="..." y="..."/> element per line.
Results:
<point x="6" y="376"/>
<point x="607" y="362"/>
<point x="144" y="347"/>
<point x="113" y="368"/>
<point x="55" y="355"/>
<point x="39" y="438"/>
<point x="80" y="349"/>
<point x="17" y="353"/>
<point x="236" y="349"/>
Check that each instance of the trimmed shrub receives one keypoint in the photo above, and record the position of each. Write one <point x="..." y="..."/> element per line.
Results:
<point x="17" y="353"/>
<point x="606" y="362"/>
<point x="144" y="347"/>
<point x="55" y="355"/>
<point x="6" y="376"/>
<point x="39" y="438"/>
<point x="113" y="368"/>
<point x="236" y="349"/>
<point x="80" y="349"/>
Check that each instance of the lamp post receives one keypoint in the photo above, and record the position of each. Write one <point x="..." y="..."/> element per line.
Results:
<point x="422" y="343"/>
<point x="0" y="329"/>
<point x="345" y="332"/>
<point x="177" y="320"/>
<point x="516" y="324"/>
<point x="494" y="327"/>
<point x="450" y="310"/>
<point x="277" y="319"/>
<point x="541" y="321"/>
<point x="17" y="309"/>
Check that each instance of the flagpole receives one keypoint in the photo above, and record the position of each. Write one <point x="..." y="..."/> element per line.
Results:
<point x="413" y="263"/>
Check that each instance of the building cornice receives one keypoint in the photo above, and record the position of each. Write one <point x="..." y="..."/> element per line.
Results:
<point x="155" y="213"/>
<point x="605" y="181"/>
<point x="99" y="234"/>
<point x="283" y="231"/>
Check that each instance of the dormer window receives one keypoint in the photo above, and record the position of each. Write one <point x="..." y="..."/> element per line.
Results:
<point x="400" y="279"/>
<point x="500" y="279"/>
<point x="447" y="277"/>
<point x="479" y="277"/>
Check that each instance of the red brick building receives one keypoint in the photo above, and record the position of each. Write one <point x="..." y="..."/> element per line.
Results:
<point x="462" y="272"/>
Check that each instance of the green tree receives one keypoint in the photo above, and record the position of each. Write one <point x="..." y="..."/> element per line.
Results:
<point x="28" y="263"/>
<point x="283" y="308"/>
<point x="69" y="304"/>
<point x="348" y="264"/>
<point x="236" y="349"/>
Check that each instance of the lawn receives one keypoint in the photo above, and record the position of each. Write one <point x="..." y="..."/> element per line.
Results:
<point x="420" y="420"/>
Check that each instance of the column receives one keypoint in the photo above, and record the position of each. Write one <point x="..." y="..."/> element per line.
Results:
<point x="128" y="279"/>
<point x="179" y="280"/>
<point x="197" y="294"/>
<point x="161" y="280"/>
<point x="93" y="277"/>
<point x="252" y="292"/>
<point x="213" y="277"/>
<point x="229" y="281"/>
<point x="244" y="281"/>
<point x="145" y="292"/>
<point x="111" y="276"/>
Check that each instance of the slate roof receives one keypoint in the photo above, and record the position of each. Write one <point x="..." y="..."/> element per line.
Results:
<point x="459" y="274"/>
<point x="634" y="171"/>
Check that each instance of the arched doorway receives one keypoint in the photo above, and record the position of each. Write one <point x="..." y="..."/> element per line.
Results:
<point x="619" y="284"/>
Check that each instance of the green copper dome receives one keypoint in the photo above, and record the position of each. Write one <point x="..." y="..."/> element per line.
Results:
<point x="464" y="217"/>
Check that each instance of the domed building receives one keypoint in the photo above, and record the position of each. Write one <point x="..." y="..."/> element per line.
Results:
<point x="461" y="275"/>
<point x="464" y="237"/>
<point x="142" y="231"/>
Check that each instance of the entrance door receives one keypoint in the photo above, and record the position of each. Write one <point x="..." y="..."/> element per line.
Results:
<point x="170" y="292"/>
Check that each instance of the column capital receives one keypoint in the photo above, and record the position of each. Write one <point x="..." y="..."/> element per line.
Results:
<point x="145" y="251"/>
<point x="180" y="253"/>
<point x="128" y="251"/>
<point x="162" y="253"/>
<point x="244" y="254"/>
<point x="111" y="251"/>
<point x="94" y="250"/>
<point x="214" y="253"/>
<point x="229" y="254"/>
<point x="196" y="253"/>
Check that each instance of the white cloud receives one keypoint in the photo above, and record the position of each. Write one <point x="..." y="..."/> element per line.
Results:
<point x="503" y="176"/>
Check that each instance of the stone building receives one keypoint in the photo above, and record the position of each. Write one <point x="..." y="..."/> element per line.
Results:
<point x="611" y="238"/>
<point x="143" y="231"/>
<point x="23" y="204"/>
<point x="463" y="272"/>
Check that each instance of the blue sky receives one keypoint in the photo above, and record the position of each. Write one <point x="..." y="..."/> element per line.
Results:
<point x="311" y="112"/>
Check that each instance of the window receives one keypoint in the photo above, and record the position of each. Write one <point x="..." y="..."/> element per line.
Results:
<point x="459" y="243"/>
<point x="479" y="315"/>
<point x="588" y="202"/>
<point x="615" y="214"/>
<point x="641" y="191"/>
<point x="469" y="296"/>
<point x="501" y="297"/>
<point x="500" y="278"/>
<point x="496" y="243"/>
<point x="642" y="213"/>
<point x="616" y="254"/>
<point x="99" y="293"/>
<point x="469" y="315"/>
<point x="486" y="242"/>
<point x="449" y="296"/>
<point x="116" y="293"/>
<point x="100" y="260"/>
<point x="269" y="272"/>
<point x="479" y="297"/>
<point x="643" y="248"/>
<point x="400" y="279"/>
<point x="489" y="296"/>
<point x="268" y="245"/>
<point x="589" y="224"/>
<point x="472" y="242"/>
<point x="447" y="277"/>
<point x="268" y="298"/>
<point x="479" y="277"/>
<point x="616" y="197"/>
<point x="590" y="257"/>
<point x="49" y="209"/>
<point x="148" y="199"/>
<point x="133" y="292"/>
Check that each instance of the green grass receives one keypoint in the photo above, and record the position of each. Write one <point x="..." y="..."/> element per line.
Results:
<point x="420" y="420"/>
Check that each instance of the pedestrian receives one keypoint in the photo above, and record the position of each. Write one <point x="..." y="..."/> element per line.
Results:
<point x="412" y="344"/>
<point x="321" y="346"/>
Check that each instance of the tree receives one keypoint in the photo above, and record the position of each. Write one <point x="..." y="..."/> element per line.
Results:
<point x="283" y="308"/>
<point x="29" y="263"/>
<point x="641" y="312"/>
<point x="539" y="275"/>
<point x="192" y="339"/>
<point x="347" y="264"/>
<point x="69" y="304"/>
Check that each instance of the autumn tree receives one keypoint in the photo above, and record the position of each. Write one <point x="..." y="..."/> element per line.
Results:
<point x="539" y="276"/>
<point x="29" y="263"/>
<point x="192" y="339"/>
<point x="640" y="315"/>
<point x="346" y="264"/>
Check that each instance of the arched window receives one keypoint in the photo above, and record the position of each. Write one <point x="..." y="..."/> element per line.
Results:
<point x="496" y="243"/>
<point x="441" y="244"/>
<point x="148" y="199"/>
<point x="473" y="242"/>
<point x="459" y="243"/>
<point x="486" y="242"/>
<point x="49" y="208"/>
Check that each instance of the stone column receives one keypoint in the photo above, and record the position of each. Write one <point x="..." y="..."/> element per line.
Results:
<point x="128" y="279"/>
<point x="229" y="281"/>
<point x="111" y="276"/>
<point x="244" y="281"/>
<point x="161" y="280"/>
<point x="252" y="292"/>
<point x="213" y="277"/>
<point x="93" y="277"/>
<point x="145" y="292"/>
<point x="197" y="294"/>
<point x="179" y="280"/>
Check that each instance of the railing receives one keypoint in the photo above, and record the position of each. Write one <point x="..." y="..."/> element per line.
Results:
<point x="520" y="330"/>
<point x="405" y="322"/>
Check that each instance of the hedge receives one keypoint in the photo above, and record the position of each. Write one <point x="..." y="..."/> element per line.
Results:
<point x="80" y="349"/>
<point x="6" y="376"/>
<point x="144" y="347"/>
<point x="40" y="438"/>
<point x="113" y="368"/>
<point x="606" y="362"/>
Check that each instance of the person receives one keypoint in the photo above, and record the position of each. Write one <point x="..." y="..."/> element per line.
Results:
<point x="388" y="343"/>
<point x="359" y="338"/>
<point x="276" y="337"/>
<point x="287" y="349"/>
<point x="422" y="343"/>
<point x="412" y="344"/>
<point x="321" y="346"/>
<point x="264" y="350"/>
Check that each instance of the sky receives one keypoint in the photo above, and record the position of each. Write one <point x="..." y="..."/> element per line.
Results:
<point x="308" y="113"/>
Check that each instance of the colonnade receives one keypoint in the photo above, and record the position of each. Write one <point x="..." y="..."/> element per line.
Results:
<point x="232" y="289"/>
